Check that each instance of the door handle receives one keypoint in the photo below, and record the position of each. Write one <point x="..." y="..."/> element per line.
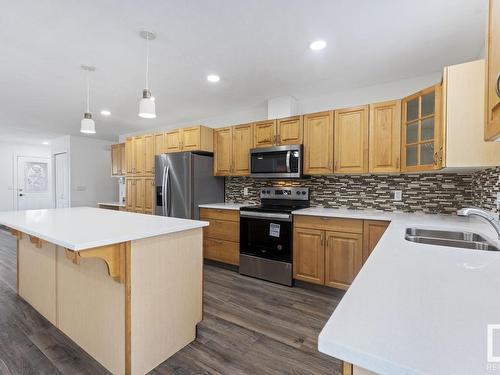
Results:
<point x="21" y="195"/>
<point x="497" y="86"/>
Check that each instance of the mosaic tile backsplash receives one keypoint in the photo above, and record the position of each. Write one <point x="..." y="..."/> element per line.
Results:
<point x="428" y="193"/>
<point x="485" y="186"/>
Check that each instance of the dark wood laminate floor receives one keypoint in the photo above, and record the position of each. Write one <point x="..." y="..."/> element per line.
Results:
<point x="249" y="327"/>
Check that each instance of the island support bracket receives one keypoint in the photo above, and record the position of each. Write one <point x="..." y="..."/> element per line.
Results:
<point x="113" y="256"/>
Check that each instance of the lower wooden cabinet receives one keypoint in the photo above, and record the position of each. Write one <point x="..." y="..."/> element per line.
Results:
<point x="221" y="239"/>
<point x="140" y="194"/>
<point x="331" y="251"/>
<point x="309" y="255"/>
<point x="372" y="232"/>
<point x="343" y="258"/>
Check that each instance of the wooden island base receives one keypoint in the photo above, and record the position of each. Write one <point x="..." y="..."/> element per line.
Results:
<point x="130" y="305"/>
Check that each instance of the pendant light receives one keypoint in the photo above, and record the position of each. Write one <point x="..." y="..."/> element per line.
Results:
<point x="87" y="125"/>
<point x="147" y="108"/>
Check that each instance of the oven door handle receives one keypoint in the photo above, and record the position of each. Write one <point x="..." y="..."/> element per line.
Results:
<point x="266" y="215"/>
<point x="288" y="155"/>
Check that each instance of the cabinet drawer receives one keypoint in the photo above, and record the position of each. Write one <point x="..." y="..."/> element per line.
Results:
<point x="221" y="251"/>
<point x="329" y="223"/>
<point x="218" y="214"/>
<point x="223" y="230"/>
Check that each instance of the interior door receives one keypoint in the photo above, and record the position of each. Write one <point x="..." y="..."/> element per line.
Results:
<point x="33" y="183"/>
<point x="61" y="180"/>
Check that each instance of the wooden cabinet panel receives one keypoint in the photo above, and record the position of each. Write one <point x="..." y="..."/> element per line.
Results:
<point x="223" y="140"/>
<point x="149" y="154"/>
<point x="173" y="141"/>
<point x="309" y="255"/>
<point x="159" y="143"/>
<point x="372" y="232"/>
<point x="140" y="195"/>
<point x="219" y="214"/>
<point x="264" y="133"/>
<point x="385" y="137"/>
<point x="318" y="143"/>
<point x="129" y="155"/>
<point x="242" y="143"/>
<point x="149" y="195"/>
<point x="223" y="230"/>
<point x="492" y="93"/>
<point x="140" y="156"/>
<point x="289" y="130"/>
<point x="351" y="140"/>
<point x="329" y="223"/>
<point x="343" y="258"/>
<point x="221" y="251"/>
<point x="422" y="131"/>
<point x="130" y="194"/>
<point x="117" y="160"/>
<point x="190" y="139"/>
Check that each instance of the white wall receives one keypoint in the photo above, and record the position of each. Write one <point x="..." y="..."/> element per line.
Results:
<point x="334" y="100"/>
<point x="9" y="152"/>
<point x="90" y="172"/>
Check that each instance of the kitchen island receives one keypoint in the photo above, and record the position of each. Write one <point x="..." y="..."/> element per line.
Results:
<point x="125" y="287"/>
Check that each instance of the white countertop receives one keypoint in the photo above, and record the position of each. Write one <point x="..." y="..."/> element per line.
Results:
<point x="415" y="308"/>
<point x="115" y="204"/>
<point x="86" y="227"/>
<point x="225" y="206"/>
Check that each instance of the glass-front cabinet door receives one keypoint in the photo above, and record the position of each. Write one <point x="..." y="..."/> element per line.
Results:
<point x="422" y="138"/>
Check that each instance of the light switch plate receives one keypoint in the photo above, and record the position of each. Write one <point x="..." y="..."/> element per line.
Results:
<point x="398" y="195"/>
<point x="245" y="191"/>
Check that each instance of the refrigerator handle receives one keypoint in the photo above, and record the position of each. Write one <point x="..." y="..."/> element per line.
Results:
<point x="163" y="192"/>
<point x="165" y="196"/>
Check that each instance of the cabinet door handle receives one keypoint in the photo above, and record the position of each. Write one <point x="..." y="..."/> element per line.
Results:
<point x="322" y="239"/>
<point x="336" y="165"/>
<point x="497" y="86"/>
<point x="397" y="163"/>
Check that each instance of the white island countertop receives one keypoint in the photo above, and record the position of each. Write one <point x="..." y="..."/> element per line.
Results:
<point x="416" y="308"/>
<point x="114" y="204"/>
<point x="82" y="228"/>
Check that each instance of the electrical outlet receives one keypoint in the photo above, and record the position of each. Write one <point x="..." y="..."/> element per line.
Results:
<point x="398" y="195"/>
<point x="498" y="201"/>
<point x="245" y="191"/>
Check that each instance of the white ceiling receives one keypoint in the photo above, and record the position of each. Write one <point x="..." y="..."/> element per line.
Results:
<point x="258" y="47"/>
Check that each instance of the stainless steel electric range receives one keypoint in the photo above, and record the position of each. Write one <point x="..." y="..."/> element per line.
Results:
<point x="266" y="234"/>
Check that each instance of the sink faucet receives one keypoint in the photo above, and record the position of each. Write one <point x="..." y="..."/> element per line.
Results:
<point x="472" y="211"/>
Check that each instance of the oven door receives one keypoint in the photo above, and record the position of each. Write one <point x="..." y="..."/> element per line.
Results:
<point x="276" y="162"/>
<point x="266" y="235"/>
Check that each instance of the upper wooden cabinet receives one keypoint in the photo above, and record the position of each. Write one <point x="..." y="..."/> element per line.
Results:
<point x="492" y="89"/>
<point x="242" y="143"/>
<point x="195" y="138"/>
<point x="140" y="155"/>
<point x="159" y="141"/>
<point x="129" y="155"/>
<point x="284" y="131"/>
<point x="264" y="133"/>
<point x="118" y="162"/>
<point x="149" y="154"/>
<point x="463" y="118"/>
<point x="318" y="143"/>
<point x="351" y="140"/>
<point x="422" y="131"/>
<point x="384" y="146"/>
<point x="289" y="130"/>
<point x="223" y="150"/>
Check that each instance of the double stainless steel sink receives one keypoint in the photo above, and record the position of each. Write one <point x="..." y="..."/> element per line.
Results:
<point x="465" y="240"/>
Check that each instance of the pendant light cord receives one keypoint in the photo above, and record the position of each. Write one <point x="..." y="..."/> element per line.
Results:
<point x="88" y="92"/>
<point x="147" y="61"/>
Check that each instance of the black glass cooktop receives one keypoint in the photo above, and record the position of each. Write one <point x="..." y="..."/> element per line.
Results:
<point x="273" y="208"/>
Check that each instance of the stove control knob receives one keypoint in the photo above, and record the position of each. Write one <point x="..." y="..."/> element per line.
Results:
<point x="298" y="192"/>
<point x="268" y="192"/>
<point x="303" y="192"/>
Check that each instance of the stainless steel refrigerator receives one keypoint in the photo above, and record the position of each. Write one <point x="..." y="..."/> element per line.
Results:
<point x="183" y="181"/>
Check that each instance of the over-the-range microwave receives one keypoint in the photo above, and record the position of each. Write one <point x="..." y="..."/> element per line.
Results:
<point x="276" y="162"/>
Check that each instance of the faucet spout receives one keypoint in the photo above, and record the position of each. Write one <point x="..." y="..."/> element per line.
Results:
<point x="488" y="216"/>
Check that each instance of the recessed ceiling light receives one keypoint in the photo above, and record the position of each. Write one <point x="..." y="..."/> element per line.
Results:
<point x="213" y="78"/>
<point x="45" y="143"/>
<point x="317" y="45"/>
<point x="105" y="112"/>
